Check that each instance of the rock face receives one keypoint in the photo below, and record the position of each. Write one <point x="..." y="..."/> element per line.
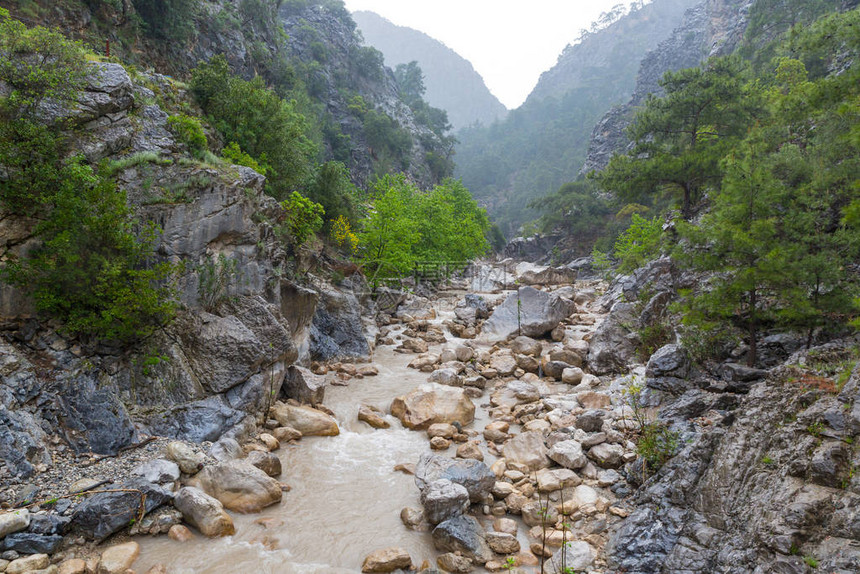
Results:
<point x="204" y="512"/>
<point x="528" y="312"/>
<point x="431" y="403"/>
<point x="336" y="332"/>
<point x="304" y="386"/>
<point x="239" y="486"/>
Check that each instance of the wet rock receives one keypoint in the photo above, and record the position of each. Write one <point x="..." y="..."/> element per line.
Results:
<point x="462" y="534"/>
<point x="189" y="461"/>
<point x="28" y="564"/>
<point x="304" y="386"/>
<point x="528" y="449"/>
<point x="226" y="448"/>
<point x="472" y="474"/>
<point x="536" y="513"/>
<point x="530" y="312"/>
<point x="104" y="514"/>
<point x="503" y="364"/>
<point x="429" y="404"/>
<point x="286" y="434"/>
<point x="502" y="542"/>
<point x="30" y="543"/>
<point x="443" y="499"/>
<point x="266" y="461"/>
<point x="118" y="559"/>
<point x="447" y="377"/>
<point x="179" y="533"/>
<point x="372" y="416"/>
<point x="568" y="453"/>
<point x="548" y="276"/>
<point x="14" y="521"/>
<point x="387" y="560"/>
<point x="72" y="566"/>
<point x="239" y="486"/>
<point x="204" y="512"/>
<point x="306" y="420"/>
<point x="577" y="555"/>
<point x="157" y="471"/>
<point x="336" y="331"/>
<point x="523" y="345"/>
<point x="591" y="421"/>
<point x="572" y="375"/>
<point x="607" y="455"/>
<point x="612" y="346"/>
<point x="470" y="450"/>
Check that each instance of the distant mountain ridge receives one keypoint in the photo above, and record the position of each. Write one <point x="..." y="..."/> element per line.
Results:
<point x="451" y="81"/>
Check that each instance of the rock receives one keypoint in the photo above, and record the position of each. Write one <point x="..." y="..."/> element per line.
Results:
<point x="577" y="555"/>
<point x="387" y="560"/>
<point x="669" y="361"/>
<point x="443" y="430"/>
<point x="30" y="543"/>
<point x="584" y="495"/>
<point x="612" y="347"/>
<point x="270" y="442"/>
<point x="591" y="420"/>
<point x="548" y="276"/>
<point x="157" y="569"/>
<point x="537" y="513"/>
<point x="306" y="420"/>
<point x="496" y="431"/>
<point x="14" y="521"/>
<point x="830" y="464"/>
<point x="439" y="443"/>
<point x="413" y="519"/>
<point x="464" y="354"/>
<point x="205" y="419"/>
<point x="572" y="375"/>
<point x="502" y="490"/>
<point x="226" y="448"/>
<point x="28" y="564"/>
<point x="266" y="461"/>
<point x="593" y="400"/>
<point x="523" y="391"/>
<point x="502" y="542"/>
<point x="474" y="475"/>
<point x="337" y="329"/>
<point x="470" y="450"/>
<point x="119" y="558"/>
<point x="179" y="533"/>
<point x="607" y="455"/>
<point x="528" y="449"/>
<point x="523" y="345"/>
<point x="429" y="404"/>
<point x="531" y="312"/>
<point x="48" y="524"/>
<point x="239" y="486"/>
<point x="414" y="346"/>
<point x="104" y="514"/>
<point x="304" y="386"/>
<point x="568" y="453"/>
<point x="554" y="369"/>
<point x="528" y="364"/>
<point x="454" y="563"/>
<point x="447" y="377"/>
<point x="734" y="372"/>
<point x="157" y="471"/>
<point x="443" y="499"/>
<point x="72" y="566"/>
<point x="556" y="479"/>
<point x="189" y="461"/>
<point x="462" y="534"/>
<point x="373" y="417"/>
<point x="286" y="434"/>
<point x="503" y="364"/>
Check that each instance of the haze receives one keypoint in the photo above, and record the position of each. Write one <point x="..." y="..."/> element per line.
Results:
<point x="510" y="43"/>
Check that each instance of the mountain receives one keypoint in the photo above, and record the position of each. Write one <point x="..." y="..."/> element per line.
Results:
<point x="543" y="144"/>
<point x="452" y="83"/>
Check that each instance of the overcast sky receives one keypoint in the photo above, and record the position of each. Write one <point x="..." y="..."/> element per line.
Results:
<point x="509" y="42"/>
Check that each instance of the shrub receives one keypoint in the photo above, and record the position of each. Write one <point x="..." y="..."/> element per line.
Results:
<point x="638" y="243"/>
<point x="342" y="235"/>
<point x="188" y="131"/>
<point x="234" y="154"/>
<point x="302" y="217"/>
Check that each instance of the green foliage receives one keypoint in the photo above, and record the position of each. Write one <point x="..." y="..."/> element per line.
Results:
<point x="234" y="154"/>
<point x="810" y="561"/>
<point x="410" y="82"/>
<point x="638" y="243"/>
<point x="188" y="131"/>
<point x="267" y="128"/>
<point x="168" y="19"/>
<point x="407" y="226"/>
<point x="215" y="276"/>
<point x="652" y="337"/>
<point x="657" y="444"/>
<point x="389" y="143"/>
<point x="368" y="62"/>
<point x="577" y="209"/>
<point x="37" y="65"/>
<point x="91" y="270"/>
<point x="136" y="159"/>
<point x="302" y="217"/>
<point x="332" y="188"/>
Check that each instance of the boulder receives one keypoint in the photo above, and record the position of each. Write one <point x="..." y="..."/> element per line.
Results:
<point x="372" y="416"/>
<point x="454" y="563"/>
<point x="554" y="369"/>
<point x="73" y="566"/>
<point x="593" y="400"/>
<point x="548" y="276"/>
<point x="239" y="485"/>
<point x="104" y="514"/>
<point x="463" y="534"/>
<point x="266" y="461"/>
<point x="537" y="513"/>
<point x="28" y="564"/>
<point x="306" y="420"/>
<point x="157" y="471"/>
<point x="591" y="420"/>
<point x="286" y="434"/>
<point x="557" y="479"/>
<point x="387" y="560"/>
<point x="504" y="364"/>
<point x="572" y="375"/>
<point x="474" y="475"/>
<point x="568" y="453"/>
<point x="304" y="386"/>
<point x="528" y="449"/>
<point x="528" y="312"/>
<point x="203" y="512"/>
<point x="180" y="533"/>
<point x="226" y="448"/>
<point x="430" y="403"/>
<point x="577" y="555"/>
<point x="607" y="455"/>
<point x="612" y="347"/>
<point x="337" y="329"/>
<point x="447" y="377"/>
<point x="502" y="542"/>
<point x="523" y="345"/>
<point x="464" y="354"/>
<point x="14" y="521"/>
<point x="118" y="558"/>
<point x="31" y="543"/>
<point x="443" y="499"/>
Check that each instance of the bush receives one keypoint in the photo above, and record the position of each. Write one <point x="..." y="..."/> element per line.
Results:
<point x="188" y="131"/>
<point x="168" y="19"/>
<point x="302" y="217"/>
<point x="639" y="243"/>
<point x="234" y="154"/>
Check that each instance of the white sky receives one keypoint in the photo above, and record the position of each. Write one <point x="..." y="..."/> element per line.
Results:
<point x="509" y="42"/>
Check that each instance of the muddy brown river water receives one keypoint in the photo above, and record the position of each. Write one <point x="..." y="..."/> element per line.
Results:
<point x="346" y="496"/>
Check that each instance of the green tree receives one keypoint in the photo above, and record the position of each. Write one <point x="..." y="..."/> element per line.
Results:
<point x="681" y="137"/>
<point x="302" y="217"/>
<point x="388" y="234"/>
<point x="410" y="82"/>
<point x="168" y="19"/>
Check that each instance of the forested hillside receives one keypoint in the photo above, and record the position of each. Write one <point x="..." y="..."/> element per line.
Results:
<point x="543" y="144"/>
<point x="452" y="83"/>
